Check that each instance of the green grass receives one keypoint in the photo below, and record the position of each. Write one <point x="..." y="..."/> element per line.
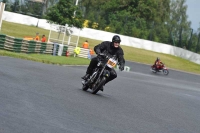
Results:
<point x="131" y="53"/>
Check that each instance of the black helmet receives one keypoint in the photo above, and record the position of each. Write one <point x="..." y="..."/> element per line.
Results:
<point x="158" y="58"/>
<point x="116" y="38"/>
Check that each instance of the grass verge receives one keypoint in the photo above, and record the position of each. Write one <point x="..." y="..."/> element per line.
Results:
<point x="49" y="59"/>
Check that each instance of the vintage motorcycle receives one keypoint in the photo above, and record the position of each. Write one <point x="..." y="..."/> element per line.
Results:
<point x="162" y="68"/>
<point x="100" y="73"/>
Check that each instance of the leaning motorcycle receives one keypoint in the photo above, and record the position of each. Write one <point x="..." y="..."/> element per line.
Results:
<point x="100" y="73"/>
<point x="162" y="68"/>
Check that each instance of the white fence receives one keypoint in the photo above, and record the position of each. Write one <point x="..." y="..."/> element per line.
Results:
<point x="104" y="36"/>
<point x="2" y="7"/>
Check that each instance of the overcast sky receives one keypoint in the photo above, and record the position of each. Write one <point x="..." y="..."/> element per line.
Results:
<point x="193" y="12"/>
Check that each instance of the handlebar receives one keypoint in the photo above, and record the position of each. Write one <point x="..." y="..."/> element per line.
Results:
<point x="103" y="56"/>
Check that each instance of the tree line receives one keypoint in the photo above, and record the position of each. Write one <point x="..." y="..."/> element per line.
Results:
<point x="163" y="21"/>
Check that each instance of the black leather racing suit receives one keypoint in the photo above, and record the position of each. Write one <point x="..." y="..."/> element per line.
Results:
<point x="108" y="47"/>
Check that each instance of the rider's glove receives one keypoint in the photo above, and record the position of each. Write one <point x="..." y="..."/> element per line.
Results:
<point x="121" y="67"/>
<point x="101" y="54"/>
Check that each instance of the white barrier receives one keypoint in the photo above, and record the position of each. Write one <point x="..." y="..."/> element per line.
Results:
<point x="106" y="36"/>
<point x="2" y="7"/>
<point x="126" y="68"/>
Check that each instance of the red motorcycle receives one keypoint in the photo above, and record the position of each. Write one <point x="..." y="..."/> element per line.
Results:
<point x="160" y="68"/>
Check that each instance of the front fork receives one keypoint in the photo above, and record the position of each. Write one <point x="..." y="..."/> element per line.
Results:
<point x="103" y="73"/>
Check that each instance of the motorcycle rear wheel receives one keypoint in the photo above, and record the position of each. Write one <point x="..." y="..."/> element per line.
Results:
<point x="153" y="70"/>
<point x="99" y="85"/>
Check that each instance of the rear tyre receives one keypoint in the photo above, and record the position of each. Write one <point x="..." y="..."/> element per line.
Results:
<point x="99" y="85"/>
<point x="165" y="72"/>
<point x="153" y="70"/>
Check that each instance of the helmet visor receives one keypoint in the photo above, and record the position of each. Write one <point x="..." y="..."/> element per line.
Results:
<point x="117" y="41"/>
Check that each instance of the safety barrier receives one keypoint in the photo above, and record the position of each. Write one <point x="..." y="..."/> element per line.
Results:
<point x="30" y="46"/>
<point x="24" y="46"/>
<point x="126" y="68"/>
<point x="77" y="52"/>
<point x="82" y="52"/>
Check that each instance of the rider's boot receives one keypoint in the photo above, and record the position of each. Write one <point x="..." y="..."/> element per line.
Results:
<point x="86" y="76"/>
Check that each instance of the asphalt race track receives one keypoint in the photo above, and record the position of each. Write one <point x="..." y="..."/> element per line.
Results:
<point x="43" y="98"/>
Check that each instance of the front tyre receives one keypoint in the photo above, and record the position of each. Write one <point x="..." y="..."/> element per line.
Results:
<point x="85" y="86"/>
<point x="165" y="72"/>
<point x="99" y="85"/>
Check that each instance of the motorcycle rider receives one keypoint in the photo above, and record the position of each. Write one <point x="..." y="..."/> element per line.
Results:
<point x="112" y="48"/>
<point x="157" y="64"/>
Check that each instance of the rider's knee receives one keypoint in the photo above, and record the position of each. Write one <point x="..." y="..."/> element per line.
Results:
<point x="114" y="75"/>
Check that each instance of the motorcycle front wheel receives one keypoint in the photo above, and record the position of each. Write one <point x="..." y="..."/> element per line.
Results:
<point x="99" y="85"/>
<point x="165" y="71"/>
<point x="85" y="87"/>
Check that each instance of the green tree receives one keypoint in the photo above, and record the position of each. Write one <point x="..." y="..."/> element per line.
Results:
<point x="63" y="13"/>
<point x="178" y="24"/>
<point x="158" y="24"/>
<point x="198" y="44"/>
<point x="7" y="5"/>
<point x="128" y="17"/>
<point x="35" y="8"/>
<point x="48" y="3"/>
